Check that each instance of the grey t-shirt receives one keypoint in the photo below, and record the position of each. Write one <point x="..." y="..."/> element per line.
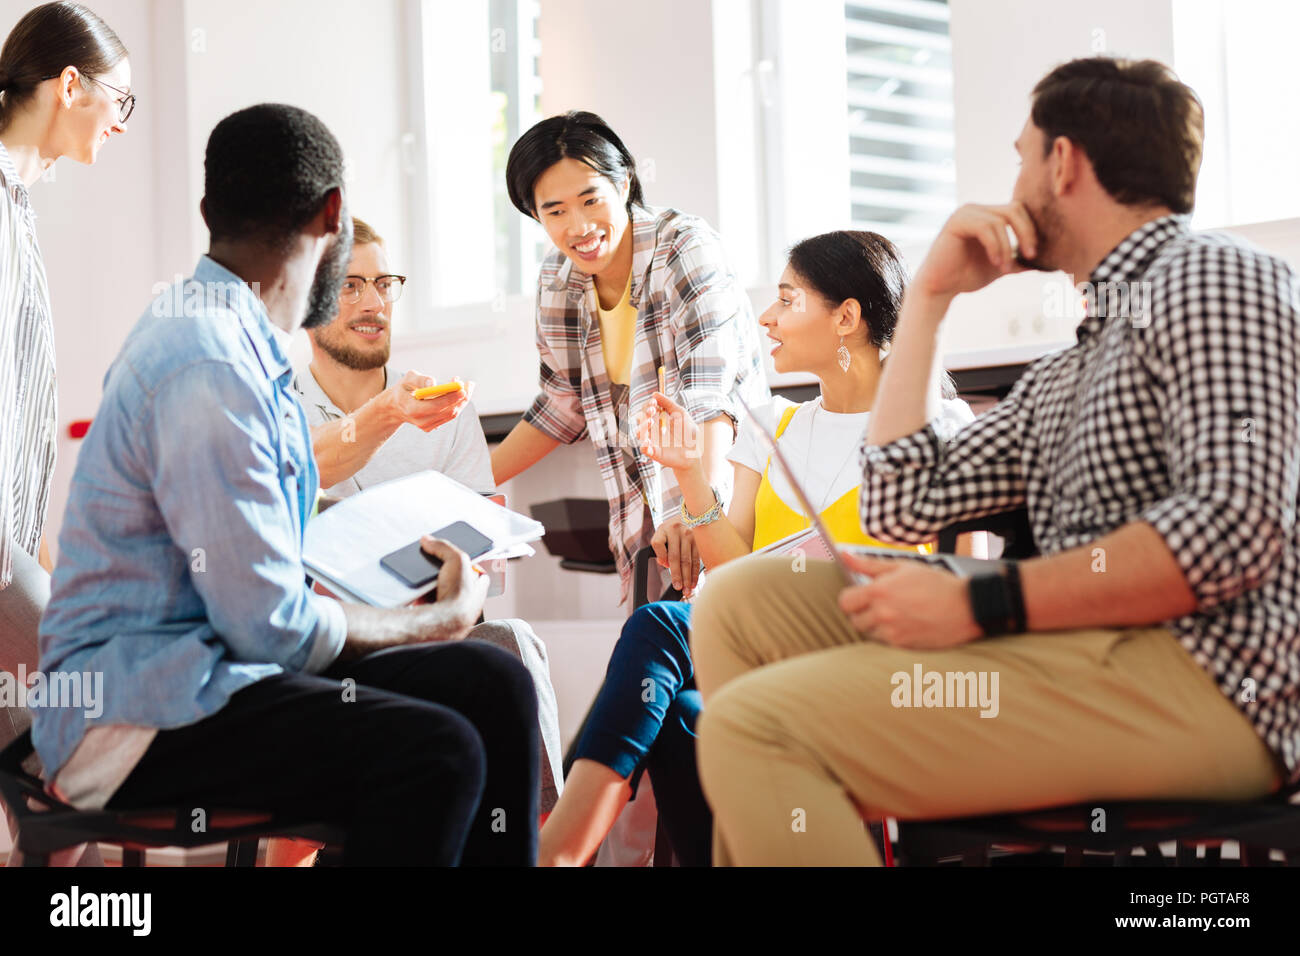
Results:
<point x="458" y="449"/>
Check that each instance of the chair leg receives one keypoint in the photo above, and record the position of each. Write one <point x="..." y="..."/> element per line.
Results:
<point x="241" y="853"/>
<point x="663" y="846"/>
<point x="1186" y="854"/>
<point x="1153" y="853"/>
<point x="1074" y="856"/>
<point x="976" y="856"/>
<point x="132" y="858"/>
<point x="1213" y="854"/>
<point x="1254" y="855"/>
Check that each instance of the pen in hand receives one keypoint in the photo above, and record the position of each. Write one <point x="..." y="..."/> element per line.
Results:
<point x="664" y="425"/>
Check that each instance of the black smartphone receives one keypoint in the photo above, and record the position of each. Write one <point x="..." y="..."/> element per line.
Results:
<point x="415" y="568"/>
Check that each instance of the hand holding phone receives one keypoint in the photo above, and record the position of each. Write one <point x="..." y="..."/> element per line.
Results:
<point x="415" y="567"/>
<point x="460" y="591"/>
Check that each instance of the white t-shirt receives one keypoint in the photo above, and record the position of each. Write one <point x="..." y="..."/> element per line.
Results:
<point x="822" y="447"/>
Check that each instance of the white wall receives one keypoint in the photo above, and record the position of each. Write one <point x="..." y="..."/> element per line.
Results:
<point x="340" y="59"/>
<point x="1001" y="48"/>
<point x="660" y="102"/>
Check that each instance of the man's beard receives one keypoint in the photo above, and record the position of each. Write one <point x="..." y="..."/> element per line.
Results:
<point x="323" y="301"/>
<point x="1048" y="227"/>
<point x="329" y="342"/>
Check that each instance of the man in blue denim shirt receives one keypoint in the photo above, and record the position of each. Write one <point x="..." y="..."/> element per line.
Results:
<point x="227" y="682"/>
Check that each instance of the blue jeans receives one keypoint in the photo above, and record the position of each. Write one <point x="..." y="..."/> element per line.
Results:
<point x="644" y="720"/>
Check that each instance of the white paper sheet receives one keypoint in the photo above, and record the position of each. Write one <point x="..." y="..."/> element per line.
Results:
<point x="342" y="547"/>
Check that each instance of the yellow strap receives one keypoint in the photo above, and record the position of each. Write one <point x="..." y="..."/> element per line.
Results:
<point x="774" y="519"/>
<point x="786" y="416"/>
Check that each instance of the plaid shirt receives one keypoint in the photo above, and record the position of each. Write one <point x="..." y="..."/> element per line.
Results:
<point x="1183" y="413"/>
<point x="693" y="318"/>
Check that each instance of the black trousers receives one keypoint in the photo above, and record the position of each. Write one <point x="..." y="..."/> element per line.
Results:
<point x="429" y="758"/>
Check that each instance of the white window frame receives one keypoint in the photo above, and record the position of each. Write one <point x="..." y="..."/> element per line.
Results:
<point x="447" y="221"/>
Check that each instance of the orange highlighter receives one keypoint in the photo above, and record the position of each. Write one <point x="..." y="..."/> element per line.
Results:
<point x="433" y="391"/>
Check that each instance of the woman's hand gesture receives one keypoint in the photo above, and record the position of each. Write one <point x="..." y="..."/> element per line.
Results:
<point x="667" y="434"/>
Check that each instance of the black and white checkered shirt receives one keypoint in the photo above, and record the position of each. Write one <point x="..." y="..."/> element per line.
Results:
<point x="1181" y="410"/>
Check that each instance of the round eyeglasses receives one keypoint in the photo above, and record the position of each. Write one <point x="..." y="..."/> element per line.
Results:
<point x="389" y="287"/>
<point x="125" y="105"/>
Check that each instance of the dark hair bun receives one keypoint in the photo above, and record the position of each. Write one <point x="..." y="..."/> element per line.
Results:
<point x="855" y="265"/>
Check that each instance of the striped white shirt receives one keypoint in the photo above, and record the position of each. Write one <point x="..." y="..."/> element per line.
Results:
<point x="27" y="385"/>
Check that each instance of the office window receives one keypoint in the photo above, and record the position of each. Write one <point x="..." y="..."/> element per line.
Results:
<point x="516" y="89"/>
<point x="474" y="90"/>
<point x="899" y="59"/>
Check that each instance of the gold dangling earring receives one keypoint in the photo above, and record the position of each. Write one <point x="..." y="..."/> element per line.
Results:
<point x="843" y="356"/>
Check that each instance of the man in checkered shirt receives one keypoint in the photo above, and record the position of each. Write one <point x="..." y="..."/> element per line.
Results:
<point x="1153" y="651"/>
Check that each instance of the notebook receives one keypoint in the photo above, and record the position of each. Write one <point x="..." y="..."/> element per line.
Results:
<point x="342" y="547"/>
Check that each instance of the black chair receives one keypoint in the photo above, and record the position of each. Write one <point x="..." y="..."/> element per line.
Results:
<point x="52" y="825"/>
<point x="1271" y="823"/>
<point x="577" y="532"/>
<point x="1259" y="826"/>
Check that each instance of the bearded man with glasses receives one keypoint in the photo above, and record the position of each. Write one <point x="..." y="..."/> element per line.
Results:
<point x="367" y="427"/>
<point x="357" y="404"/>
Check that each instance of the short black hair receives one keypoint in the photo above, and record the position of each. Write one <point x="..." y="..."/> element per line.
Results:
<point x="267" y="170"/>
<point x="578" y="135"/>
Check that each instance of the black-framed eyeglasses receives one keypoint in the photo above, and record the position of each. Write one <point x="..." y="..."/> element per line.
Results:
<point x="125" y="106"/>
<point x="389" y="287"/>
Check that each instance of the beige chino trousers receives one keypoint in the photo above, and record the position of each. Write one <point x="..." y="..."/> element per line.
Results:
<point x="807" y="725"/>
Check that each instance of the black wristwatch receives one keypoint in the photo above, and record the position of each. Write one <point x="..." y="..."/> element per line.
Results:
<point x="996" y="601"/>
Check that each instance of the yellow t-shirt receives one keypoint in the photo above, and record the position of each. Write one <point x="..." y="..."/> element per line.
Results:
<point x="617" y="335"/>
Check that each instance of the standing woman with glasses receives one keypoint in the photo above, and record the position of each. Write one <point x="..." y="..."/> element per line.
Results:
<point x="65" y="88"/>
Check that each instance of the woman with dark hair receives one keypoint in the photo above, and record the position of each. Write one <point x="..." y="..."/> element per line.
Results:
<point x="65" y="88"/>
<point x="837" y="304"/>
<point x="629" y="293"/>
